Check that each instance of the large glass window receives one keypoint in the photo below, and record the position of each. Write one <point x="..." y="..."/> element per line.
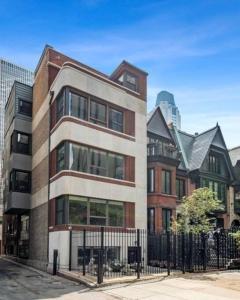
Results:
<point x="115" y="214"/>
<point x="151" y="180"/>
<point x="98" y="162"/>
<point x="84" y="107"/>
<point x="98" y="212"/>
<point x="78" y="158"/>
<point x="77" y="210"/>
<point x="115" y="119"/>
<point x="85" y="159"/>
<point x="61" y="157"/>
<point x="78" y="106"/>
<point x="166" y="182"/>
<point x="25" y="107"/>
<point x="180" y="188"/>
<point x="115" y="166"/>
<point x="166" y="219"/>
<point x="20" y="181"/>
<point x="98" y="113"/>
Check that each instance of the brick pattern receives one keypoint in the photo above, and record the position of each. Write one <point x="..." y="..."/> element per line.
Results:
<point x="40" y="175"/>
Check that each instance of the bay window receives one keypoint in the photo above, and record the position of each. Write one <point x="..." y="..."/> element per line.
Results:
<point x="71" y="156"/>
<point x="89" y="108"/>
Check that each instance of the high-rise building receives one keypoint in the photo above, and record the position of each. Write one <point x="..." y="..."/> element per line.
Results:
<point x="165" y="101"/>
<point x="9" y="73"/>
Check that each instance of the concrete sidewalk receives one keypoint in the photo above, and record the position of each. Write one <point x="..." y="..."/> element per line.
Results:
<point x="216" y="286"/>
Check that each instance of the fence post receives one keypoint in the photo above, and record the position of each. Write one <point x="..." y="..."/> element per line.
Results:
<point x="204" y="250"/>
<point x="100" y="259"/>
<point x="168" y="252"/>
<point x="55" y="256"/>
<point x="183" y="253"/>
<point x="70" y="250"/>
<point x="218" y="250"/>
<point x="138" y="253"/>
<point x="84" y="252"/>
<point x="191" y="269"/>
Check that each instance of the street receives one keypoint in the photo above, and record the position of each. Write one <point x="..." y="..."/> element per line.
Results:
<point x="20" y="283"/>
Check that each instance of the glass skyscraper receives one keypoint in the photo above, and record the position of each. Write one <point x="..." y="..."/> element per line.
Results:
<point x="169" y="109"/>
<point x="9" y="72"/>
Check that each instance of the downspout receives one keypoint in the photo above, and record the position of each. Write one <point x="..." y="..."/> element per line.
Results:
<point x="49" y="147"/>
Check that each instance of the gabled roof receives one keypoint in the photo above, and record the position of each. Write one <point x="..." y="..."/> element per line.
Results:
<point x="194" y="148"/>
<point x="156" y="124"/>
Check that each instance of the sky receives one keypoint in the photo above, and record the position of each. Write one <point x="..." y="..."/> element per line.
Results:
<point x="190" y="48"/>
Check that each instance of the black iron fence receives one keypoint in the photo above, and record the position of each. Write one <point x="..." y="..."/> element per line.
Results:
<point x="114" y="252"/>
<point x="193" y="252"/>
<point x="105" y="253"/>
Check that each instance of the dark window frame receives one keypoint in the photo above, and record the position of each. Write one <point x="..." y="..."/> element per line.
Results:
<point x="13" y="186"/>
<point x="151" y="227"/>
<point x="180" y="181"/>
<point x="22" y="112"/>
<point x="116" y="123"/>
<point x="15" y="146"/>
<point x="165" y="189"/>
<point x="150" y="184"/>
<point x="166" y="219"/>
<point x="95" y="120"/>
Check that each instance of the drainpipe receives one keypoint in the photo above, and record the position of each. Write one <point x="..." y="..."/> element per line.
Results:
<point x="49" y="147"/>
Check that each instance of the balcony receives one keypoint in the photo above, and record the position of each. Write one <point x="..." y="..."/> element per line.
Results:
<point x="163" y="152"/>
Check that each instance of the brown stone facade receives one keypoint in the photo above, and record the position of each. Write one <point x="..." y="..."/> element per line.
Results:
<point x="158" y="199"/>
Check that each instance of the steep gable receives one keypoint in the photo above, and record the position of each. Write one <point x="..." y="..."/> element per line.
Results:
<point x="157" y="125"/>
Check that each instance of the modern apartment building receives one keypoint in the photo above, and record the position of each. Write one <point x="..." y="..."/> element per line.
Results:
<point x="9" y="72"/>
<point x="170" y="111"/>
<point x="88" y="151"/>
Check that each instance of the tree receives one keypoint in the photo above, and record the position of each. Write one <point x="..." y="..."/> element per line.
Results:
<point x="195" y="211"/>
<point x="236" y="237"/>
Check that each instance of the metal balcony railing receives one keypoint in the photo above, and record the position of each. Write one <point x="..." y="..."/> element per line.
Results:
<point x="161" y="149"/>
